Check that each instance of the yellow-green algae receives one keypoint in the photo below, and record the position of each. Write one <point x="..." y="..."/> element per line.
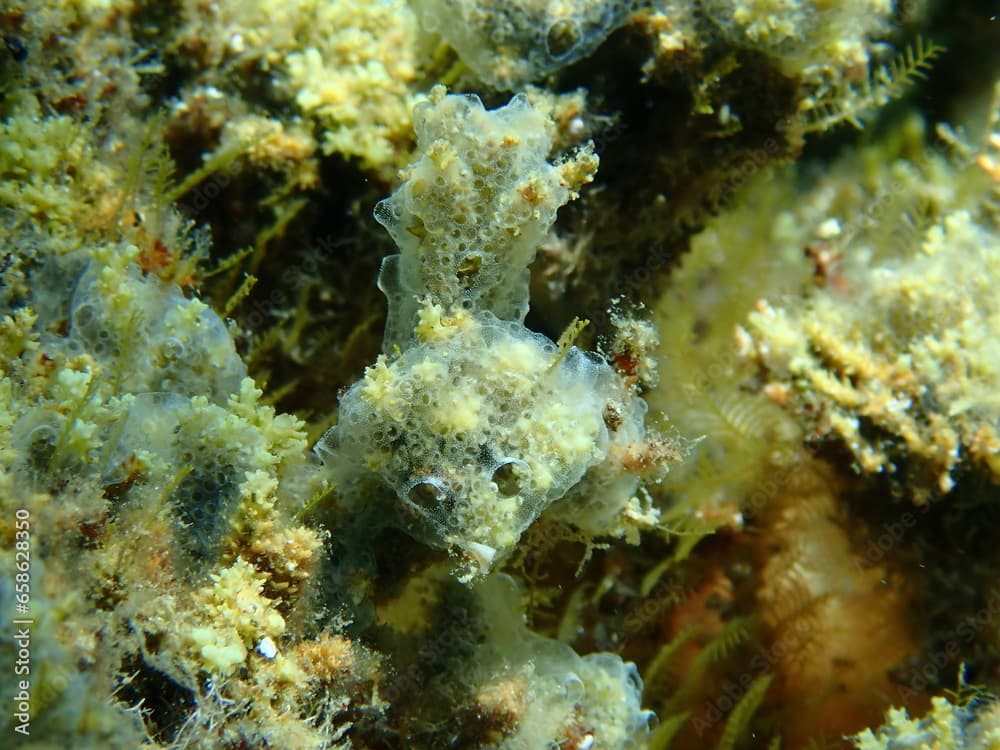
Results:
<point x="199" y="581"/>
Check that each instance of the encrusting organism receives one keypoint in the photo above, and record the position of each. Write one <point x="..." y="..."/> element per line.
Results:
<point x="475" y="424"/>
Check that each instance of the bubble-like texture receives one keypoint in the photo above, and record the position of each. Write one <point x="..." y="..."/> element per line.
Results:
<point x="512" y="43"/>
<point x="473" y="209"/>
<point x="478" y="434"/>
<point x="176" y="344"/>
<point x="36" y="435"/>
<point x="474" y="423"/>
<point x="200" y="452"/>
<point x="599" y="693"/>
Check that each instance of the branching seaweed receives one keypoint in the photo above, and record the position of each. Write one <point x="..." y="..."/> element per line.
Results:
<point x="842" y="101"/>
<point x="739" y="718"/>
